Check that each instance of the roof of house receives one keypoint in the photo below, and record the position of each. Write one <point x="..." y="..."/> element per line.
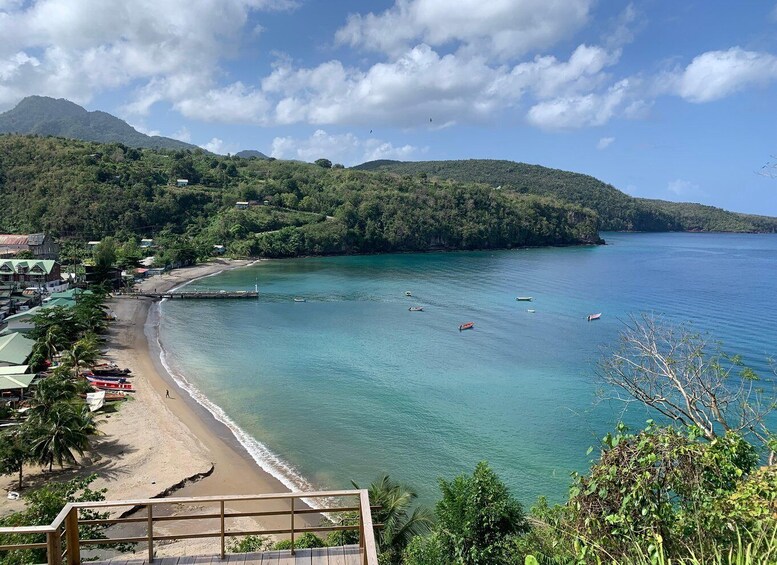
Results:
<point x="70" y="293"/>
<point x="23" y="315"/>
<point x="36" y="238"/>
<point x="14" y="370"/>
<point x="10" y="239"/>
<point x="13" y="382"/>
<point x="15" y="348"/>
<point x="32" y="265"/>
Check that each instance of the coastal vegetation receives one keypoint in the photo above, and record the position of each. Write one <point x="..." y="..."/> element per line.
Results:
<point x="617" y="211"/>
<point x="86" y="191"/>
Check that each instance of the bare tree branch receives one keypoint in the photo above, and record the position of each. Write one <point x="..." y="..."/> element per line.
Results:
<point x="689" y="380"/>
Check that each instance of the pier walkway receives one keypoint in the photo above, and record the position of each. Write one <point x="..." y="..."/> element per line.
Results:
<point x="196" y="294"/>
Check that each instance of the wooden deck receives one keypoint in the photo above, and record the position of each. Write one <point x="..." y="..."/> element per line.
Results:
<point x="348" y="555"/>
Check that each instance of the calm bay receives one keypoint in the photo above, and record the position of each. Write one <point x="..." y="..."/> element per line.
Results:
<point x="350" y="384"/>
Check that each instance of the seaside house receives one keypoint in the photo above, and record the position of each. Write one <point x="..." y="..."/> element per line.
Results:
<point x="15" y="349"/>
<point x="219" y="250"/>
<point x="146" y="243"/>
<point x="40" y="245"/>
<point x="14" y="381"/>
<point x="43" y="275"/>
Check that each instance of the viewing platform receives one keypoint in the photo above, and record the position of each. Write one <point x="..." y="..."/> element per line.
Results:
<point x="195" y="294"/>
<point x="187" y="530"/>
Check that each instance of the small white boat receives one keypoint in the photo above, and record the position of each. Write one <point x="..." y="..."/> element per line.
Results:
<point x="416" y="308"/>
<point x="524" y="298"/>
<point x="592" y="317"/>
<point x="299" y="299"/>
<point x="530" y="311"/>
<point x="408" y="293"/>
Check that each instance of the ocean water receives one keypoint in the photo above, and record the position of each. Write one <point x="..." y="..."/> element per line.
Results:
<point x="349" y="384"/>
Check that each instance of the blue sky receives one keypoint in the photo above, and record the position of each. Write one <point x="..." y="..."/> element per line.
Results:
<point x="662" y="100"/>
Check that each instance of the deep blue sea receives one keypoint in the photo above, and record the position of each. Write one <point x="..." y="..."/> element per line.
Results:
<point x="350" y="384"/>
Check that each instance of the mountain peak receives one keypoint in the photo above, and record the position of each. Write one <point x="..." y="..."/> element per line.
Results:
<point x="42" y="115"/>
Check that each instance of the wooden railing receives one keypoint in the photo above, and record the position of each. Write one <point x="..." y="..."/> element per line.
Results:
<point x="63" y="543"/>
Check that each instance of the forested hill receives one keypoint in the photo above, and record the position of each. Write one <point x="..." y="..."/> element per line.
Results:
<point x="41" y="115"/>
<point x="83" y="190"/>
<point x="617" y="211"/>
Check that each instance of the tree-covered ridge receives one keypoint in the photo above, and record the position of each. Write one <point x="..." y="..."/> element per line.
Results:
<point x="84" y="190"/>
<point x="617" y="211"/>
<point x="41" y="115"/>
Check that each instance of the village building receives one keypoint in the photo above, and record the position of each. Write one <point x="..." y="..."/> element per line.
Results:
<point x="43" y="275"/>
<point x="40" y="245"/>
<point x="15" y="349"/>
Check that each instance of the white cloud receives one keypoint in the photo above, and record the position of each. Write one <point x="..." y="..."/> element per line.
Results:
<point x="143" y="129"/>
<point x="182" y="134"/>
<point x="581" y="111"/>
<point x="500" y="28"/>
<point x="716" y="74"/>
<point x="604" y="142"/>
<point x="685" y="189"/>
<point x="89" y="46"/>
<point x="339" y="148"/>
<point x="215" y="145"/>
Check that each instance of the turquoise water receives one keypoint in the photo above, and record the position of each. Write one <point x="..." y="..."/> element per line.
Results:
<point x="350" y="384"/>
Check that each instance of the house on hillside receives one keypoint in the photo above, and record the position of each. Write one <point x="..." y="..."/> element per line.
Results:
<point x="146" y="243"/>
<point x="243" y="205"/>
<point x="40" y="245"/>
<point x="182" y="182"/>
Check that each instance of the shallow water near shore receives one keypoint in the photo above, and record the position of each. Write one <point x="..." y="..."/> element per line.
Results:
<point x="350" y="384"/>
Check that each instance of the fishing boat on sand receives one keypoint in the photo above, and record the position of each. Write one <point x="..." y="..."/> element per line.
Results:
<point x="110" y="385"/>
<point x="467" y="326"/>
<point x="416" y="308"/>
<point x="592" y="317"/>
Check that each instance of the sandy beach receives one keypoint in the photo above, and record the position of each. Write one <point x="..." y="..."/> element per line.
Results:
<point x="155" y="445"/>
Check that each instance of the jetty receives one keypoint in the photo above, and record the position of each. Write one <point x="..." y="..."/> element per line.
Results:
<point x="196" y="294"/>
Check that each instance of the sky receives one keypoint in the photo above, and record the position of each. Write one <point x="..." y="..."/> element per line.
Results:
<point x="670" y="100"/>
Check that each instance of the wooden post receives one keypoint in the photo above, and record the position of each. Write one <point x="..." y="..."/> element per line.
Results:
<point x="292" y="525"/>
<point x="150" y="533"/>
<point x="54" y="548"/>
<point x="362" y="550"/>
<point x="223" y="552"/>
<point x="72" y="538"/>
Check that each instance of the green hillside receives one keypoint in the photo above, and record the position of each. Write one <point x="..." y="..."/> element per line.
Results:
<point x="617" y="211"/>
<point x="84" y="190"/>
<point x="41" y="115"/>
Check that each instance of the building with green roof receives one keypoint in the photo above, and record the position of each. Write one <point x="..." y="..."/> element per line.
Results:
<point x="15" y="349"/>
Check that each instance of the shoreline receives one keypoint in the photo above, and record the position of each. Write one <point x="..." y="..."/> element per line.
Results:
<point x="206" y="440"/>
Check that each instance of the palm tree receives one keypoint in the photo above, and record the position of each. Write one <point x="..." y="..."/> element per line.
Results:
<point x="398" y="527"/>
<point x="67" y="430"/>
<point x="49" y="392"/>
<point x="85" y="350"/>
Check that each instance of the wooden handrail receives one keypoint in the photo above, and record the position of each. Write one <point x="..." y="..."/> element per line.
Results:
<point x="65" y="526"/>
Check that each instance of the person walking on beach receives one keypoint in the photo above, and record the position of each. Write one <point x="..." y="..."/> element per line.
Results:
<point x="167" y="393"/>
